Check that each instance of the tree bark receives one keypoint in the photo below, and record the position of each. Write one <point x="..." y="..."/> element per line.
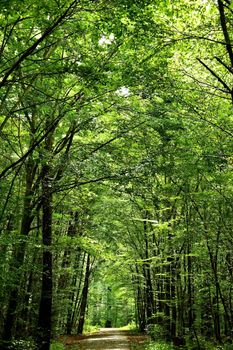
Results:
<point x="45" y="308"/>
<point x="19" y="252"/>
<point x="84" y="298"/>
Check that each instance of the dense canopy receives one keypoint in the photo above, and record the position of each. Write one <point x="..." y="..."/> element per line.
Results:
<point x="116" y="136"/>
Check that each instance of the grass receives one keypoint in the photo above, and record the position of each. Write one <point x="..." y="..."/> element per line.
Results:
<point x="130" y="327"/>
<point x="159" y="346"/>
<point x="89" y="329"/>
<point x="57" y="346"/>
<point x="204" y="345"/>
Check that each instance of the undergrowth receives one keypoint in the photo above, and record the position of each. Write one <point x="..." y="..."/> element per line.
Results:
<point x="88" y="329"/>
<point x="57" y="346"/>
<point x="159" y="346"/>
<point x="203" y="345"/>
<point x="130" y="327"/>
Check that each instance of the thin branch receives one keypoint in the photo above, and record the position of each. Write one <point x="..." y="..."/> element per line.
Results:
<point x="225" y="30"/>
<point x="115" y="138"/>
<point x="224" y="64"/>
<point x="6" y="36"/>
<point x="204" y="84"/>
<point x="68" y="12"/>
<point x="215" y="75"/>
<point x="9" y="192"/>
<point x="31" y="149"/>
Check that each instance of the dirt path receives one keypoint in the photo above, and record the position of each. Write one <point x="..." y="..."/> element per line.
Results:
<point x="107" y="339"/>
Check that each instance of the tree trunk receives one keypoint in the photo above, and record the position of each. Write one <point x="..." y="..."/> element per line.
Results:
<point x="190" y="290"/>
<point x="75" y="296"/>
<point x="84" y="298"/>
<point x="18" y="254"/>
<point x="45" y="308"/>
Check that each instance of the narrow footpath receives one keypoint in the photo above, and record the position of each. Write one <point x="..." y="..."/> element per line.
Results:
<point x="107" y="339"/>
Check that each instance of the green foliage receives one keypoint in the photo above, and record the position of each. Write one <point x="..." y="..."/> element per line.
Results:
<point x="156" y="331"/>
<point x="205" y="344"/>
<point x="22" y="345"/>
<point x="136" y="99"/>
<point x="130" y="327"/>
<point x="57" y="346"/>
<point x="89" y="328"/>
<point x="111" y="298"/>
<point x="159" y="346"/>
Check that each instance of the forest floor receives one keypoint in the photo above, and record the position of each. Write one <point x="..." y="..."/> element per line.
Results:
<point x="107" y="339"/>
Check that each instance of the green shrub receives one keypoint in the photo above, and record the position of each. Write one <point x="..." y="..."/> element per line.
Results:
<point x="228" y="347"/>
<point x="57" y="346"/>
<point x="130" y="327"/>
<point x="155" y="331"/>
<point x="22" y="345"/>
<point x="204" y="344"/>
<point x="91" y="329"/>
<point x="159" y="346"/>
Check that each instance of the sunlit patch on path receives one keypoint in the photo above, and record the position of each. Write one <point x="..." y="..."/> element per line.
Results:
<point x="106" y="339"/>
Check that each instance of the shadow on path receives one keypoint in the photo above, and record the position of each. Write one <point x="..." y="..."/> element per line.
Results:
<point x="106" y="339"/>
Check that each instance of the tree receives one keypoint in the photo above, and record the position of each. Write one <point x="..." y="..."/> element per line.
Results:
<point x="117" y="145"/>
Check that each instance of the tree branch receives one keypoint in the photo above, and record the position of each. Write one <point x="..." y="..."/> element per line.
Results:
<point x="224" y="64"/>
<point x="31" y="149"/>
<point x="68" y="12"/>
<point x="225" y="30"/>
<point x="115" y="138"/>
<point x="216" y="76"/>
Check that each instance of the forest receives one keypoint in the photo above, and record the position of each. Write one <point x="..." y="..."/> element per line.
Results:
<point x="116" y="181"/>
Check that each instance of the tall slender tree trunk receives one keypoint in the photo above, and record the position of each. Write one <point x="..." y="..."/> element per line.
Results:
<point x="75" y="301"/>
<point x="45" y="308"/>
<point x="140" y="302"/>
<point x="19" y="253"/>
<point x="147" y="274"/>
<point x="190" y="289"/>
<point x="84" y="298"/>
